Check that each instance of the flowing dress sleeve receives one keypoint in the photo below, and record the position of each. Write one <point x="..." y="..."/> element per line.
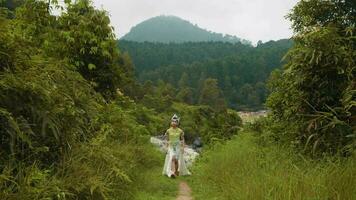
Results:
<point x="182" y="167"/>
<point x="168" y="160"/>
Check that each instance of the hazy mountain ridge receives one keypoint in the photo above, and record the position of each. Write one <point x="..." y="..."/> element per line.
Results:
<point x="167" y="29"/>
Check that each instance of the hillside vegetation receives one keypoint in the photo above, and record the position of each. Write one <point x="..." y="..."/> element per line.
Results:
<point x="240" y="71"/>
<point x="172" y="29"/>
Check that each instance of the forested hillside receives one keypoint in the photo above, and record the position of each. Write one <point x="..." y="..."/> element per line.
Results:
<point x="172" y="29"/>
<point x="240" y="70"/>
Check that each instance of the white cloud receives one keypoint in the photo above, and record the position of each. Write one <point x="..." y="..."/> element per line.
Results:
<point x="249" y="19"/>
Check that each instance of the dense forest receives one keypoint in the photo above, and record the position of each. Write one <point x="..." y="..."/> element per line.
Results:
<point x="167" y="29"/>
<point x="240" y="71"/>
<point x="77" y="112"/>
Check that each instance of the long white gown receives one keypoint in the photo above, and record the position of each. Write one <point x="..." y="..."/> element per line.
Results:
<point x="175" y="150"/>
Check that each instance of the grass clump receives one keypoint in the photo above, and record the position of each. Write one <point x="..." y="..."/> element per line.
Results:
<point x="242" y="169"/>
<point x="157" y="187"/>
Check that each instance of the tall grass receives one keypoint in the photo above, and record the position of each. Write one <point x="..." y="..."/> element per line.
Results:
<point x="155" y="186"/>
<point x="241" y="169"/>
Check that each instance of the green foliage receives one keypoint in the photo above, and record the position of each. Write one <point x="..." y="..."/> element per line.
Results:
<point x="308" y="98"/>
<point x="150" y="56"/>
<point x="69" y="131"/>
<point x="317" y="13"/>
<point x="60" y="139"/>
<point x="210" y="123"/>
<point x="240" y="70"/>
<point x="241" y="169"/>
<point x="10" y="4"/>
<point x="166" y="29"/>
<point x="203" y="121"/>
<point x="42" y="113"/>
<point x="186" y="95"/>
<point x="159" y="187"/>
<point x="211" y="95"/>
<point x="88" y="42"/>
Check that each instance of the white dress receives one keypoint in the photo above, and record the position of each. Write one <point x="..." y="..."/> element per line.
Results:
<point x="175" y="150"/>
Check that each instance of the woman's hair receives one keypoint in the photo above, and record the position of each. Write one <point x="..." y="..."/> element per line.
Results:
<point x="175" y="119"/>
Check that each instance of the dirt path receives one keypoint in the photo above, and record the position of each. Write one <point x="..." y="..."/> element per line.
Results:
<point x="184" y="191"/>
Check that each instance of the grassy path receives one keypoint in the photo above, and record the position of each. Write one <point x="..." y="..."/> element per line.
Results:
<point x="184" y="191"/>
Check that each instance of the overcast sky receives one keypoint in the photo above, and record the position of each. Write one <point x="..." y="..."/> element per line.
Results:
<point x="248" y="19"/>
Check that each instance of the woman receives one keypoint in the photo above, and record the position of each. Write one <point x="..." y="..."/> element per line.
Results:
<point x="174" y="164"/>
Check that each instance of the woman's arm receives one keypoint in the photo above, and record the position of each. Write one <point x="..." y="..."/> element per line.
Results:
<point x="182" y="139"/>
<point x="166" y="136"/>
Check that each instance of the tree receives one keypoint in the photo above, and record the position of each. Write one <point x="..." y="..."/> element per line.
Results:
<point x="85" y="38"/>
<point x="212" y="95"/>
<point x="307" y="15"/>
<point x="148" y="87"/>
<point x="45" y="106"/>
<point x="127" y="81"/>
<point x="313" y="99"/>
<point x="185" y="95"/>
<point x="183" y="81"/>
<point x="260" y="89"/>
<point x="244" y="93"/>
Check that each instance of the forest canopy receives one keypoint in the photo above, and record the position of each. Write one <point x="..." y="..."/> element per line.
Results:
<point x="240" y="70"/>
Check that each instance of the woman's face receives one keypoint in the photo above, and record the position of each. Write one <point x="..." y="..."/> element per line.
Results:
<point x="174" y="124"/>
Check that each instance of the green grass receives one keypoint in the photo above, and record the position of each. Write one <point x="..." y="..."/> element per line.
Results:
<point x="155" y="186"/>
<point x="241" y="169"/>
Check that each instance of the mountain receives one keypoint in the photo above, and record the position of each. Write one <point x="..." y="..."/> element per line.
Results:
<point x="167" y="29"/>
